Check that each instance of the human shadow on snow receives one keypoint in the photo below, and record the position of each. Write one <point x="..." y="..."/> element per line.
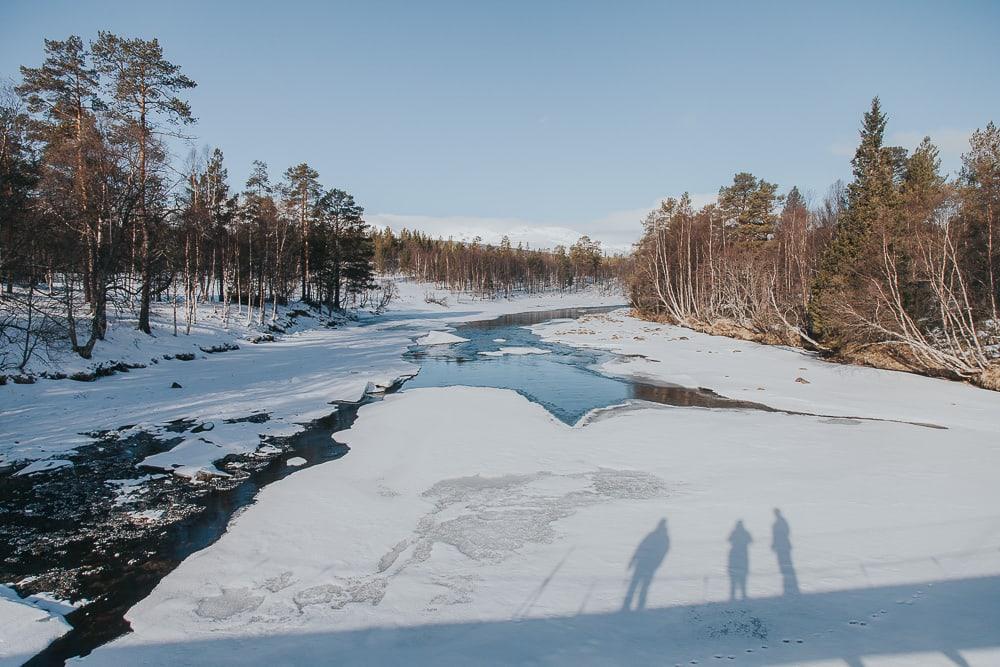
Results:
<point x="739" y="561"/>
<point x="645" y="562"/>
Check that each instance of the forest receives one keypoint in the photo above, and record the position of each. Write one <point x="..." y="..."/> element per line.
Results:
<point x="898" y="268"/>
<point x="97" y="216"/>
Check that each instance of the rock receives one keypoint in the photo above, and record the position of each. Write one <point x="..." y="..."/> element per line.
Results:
<point x="174" y="385"/>
<point x="802" y="381"/>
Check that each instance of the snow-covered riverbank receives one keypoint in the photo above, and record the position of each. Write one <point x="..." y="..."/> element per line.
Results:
<point x="780" y="377"/>
<point x="282" y="385"/>
<point x="293" y="379"/>
<point x="469" y="525"/>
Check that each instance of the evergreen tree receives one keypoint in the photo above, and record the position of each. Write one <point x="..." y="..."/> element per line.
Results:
<point x="143" y="88"/>
<point x="872" y="199"/>
<point x="301" y="190"/>
<point x="981" y="188"/>
<point x="748" y="204"/>
<point x="18" y="176"/>
<point x="346" y="248"/>
<point x="64" y="96"/>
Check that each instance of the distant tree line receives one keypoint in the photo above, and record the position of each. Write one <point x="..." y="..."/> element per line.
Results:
<point x="899" y="267"/>
<point x="490" y="270"/>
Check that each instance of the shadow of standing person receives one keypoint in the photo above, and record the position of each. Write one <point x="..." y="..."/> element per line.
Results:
<point x="739" y="560"/>
<point x="645" y="561"/>
<point x="781" y="544"/>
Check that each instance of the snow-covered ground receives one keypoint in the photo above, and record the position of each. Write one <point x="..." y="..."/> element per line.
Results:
<point x="783" y="378"/>
<point x="293" y="379"/>
<point x="27" y="626"/>
<point x="469" y="526"/>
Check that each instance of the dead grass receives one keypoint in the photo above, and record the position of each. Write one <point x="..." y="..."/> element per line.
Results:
<point x="990" y="378"/>
<point x="887" y="357"/>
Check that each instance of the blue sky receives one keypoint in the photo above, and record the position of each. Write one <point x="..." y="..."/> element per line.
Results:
<point x="545" y="119"/>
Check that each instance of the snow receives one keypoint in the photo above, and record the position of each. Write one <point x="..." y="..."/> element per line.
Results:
<point x="129" y="491"/>
<point x="495" y="534"/>
<point x="294" y="379"/>
<point x="468" y="525"/>
<point x="767" y="374"/>
<point x="28" y="626"/>
<point x="44" y="466"/>
<point x="441" y="338"/>
<point x="517" y="351"/>
<point x="296" y="461"/>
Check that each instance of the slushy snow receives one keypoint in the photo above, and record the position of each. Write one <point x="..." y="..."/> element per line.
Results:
<point x="514" y="351"/>
<point x="441" y="338"/>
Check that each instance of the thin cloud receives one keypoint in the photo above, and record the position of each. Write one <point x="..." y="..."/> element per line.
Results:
<point x="952" y="142"/>
<point x="616" y="231"/>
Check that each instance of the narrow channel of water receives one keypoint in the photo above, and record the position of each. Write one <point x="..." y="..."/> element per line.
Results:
<point x="559" y="377"/>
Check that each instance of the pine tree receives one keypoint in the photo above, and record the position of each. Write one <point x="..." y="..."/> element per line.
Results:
<point x="872" y="199"/>
<point x="748" y="204"/>
<point x="143" y="87"/>
<point x="981" y="180"/>
<point x="64" y="95"/>
<point x="18" y="176"/>
<point x="301" y="191"/>
<point x="347" y="249"/>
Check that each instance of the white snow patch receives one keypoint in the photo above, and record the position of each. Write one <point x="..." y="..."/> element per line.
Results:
<point x="516" y="351"/>
<point x="441" y="338"/>
<point x="296" y="461"/>
<point x="44" y="466"/>
<point x="25" y="628"/>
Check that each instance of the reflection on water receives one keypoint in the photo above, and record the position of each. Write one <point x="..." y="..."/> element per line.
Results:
<point x="562" y="380"/>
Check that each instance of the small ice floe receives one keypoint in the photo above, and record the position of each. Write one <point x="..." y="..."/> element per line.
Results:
<point x="440" y="338"/>
<point x="296" y="461"/>
<point x="55" y="605"/>
<point x="44" y="466"/>
<point x="514" y="351"/>
<point x="499" y="340"/>
<point x="130" y="490"/>
<point x="267" y="450"/>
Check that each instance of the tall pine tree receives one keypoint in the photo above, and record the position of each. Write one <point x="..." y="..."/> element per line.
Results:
<point x="872" y="199"/>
